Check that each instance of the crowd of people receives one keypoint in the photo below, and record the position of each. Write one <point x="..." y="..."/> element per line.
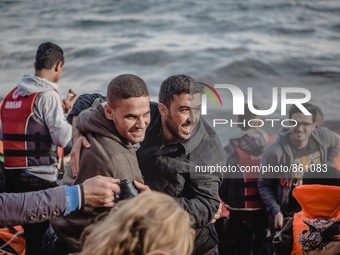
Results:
<point x="155" y="147"/>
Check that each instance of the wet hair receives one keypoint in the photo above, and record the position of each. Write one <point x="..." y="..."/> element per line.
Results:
<point x="248" y="115"/>
<point x="319" y="116"/>
<point x="47" y="55"/>
<point x="176" y="85"/>
<point x="125" y="86"/>
<point x="294" y="109"/>
<point x="151" y="223"/>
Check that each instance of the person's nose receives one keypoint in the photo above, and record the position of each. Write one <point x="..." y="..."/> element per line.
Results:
<point x="141" y="122"/>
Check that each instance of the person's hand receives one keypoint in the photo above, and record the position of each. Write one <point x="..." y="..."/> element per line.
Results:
<point x="99" y="191"/>
<point x="217" y="214"/>
<point x="75" y="154"/>
<point x="142" y="187"/>
<point x="278" y="220"/>
<point x="68" y="102"/>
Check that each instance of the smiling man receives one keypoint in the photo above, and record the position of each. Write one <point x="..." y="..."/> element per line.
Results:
<point x="112" y="128"/>
<point x="300" y="148"/>
<point x="177" y="141"/>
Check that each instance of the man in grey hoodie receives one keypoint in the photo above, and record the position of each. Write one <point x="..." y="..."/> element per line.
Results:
<point x="298" y="149"/>
<point x="33" y="125"/>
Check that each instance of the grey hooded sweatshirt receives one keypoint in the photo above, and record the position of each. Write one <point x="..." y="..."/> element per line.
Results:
<point x="273" y="187"/>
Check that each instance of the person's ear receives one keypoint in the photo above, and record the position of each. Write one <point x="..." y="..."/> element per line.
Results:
<point x="314" y="125"/>
<point x="108" y="111"/>
<point x="58" y="66"/>
<point x="163" y="110"/>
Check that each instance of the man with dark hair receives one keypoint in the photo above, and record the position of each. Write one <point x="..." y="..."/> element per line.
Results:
<point x="33" y="125"/>
<point x="112" y="128"/>
<point x="300" y="148"/>
<point x="177" y="141"/>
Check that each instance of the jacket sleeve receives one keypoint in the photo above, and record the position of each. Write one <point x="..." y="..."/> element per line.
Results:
<point x="268" y="183"/>
<point x="32" y="207"/>
<point x="49" y="105"/>
<point x="203" y="203"/>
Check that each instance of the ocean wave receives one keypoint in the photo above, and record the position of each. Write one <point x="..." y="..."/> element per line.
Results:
<point x="247" y="68"/>
<point x="155" y="57"/>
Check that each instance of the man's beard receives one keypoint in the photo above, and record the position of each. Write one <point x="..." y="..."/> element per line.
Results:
<point x="174" y="131"/>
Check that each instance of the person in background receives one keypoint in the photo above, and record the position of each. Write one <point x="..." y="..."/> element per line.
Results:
<point x="299" y="148"/>
<point x="33" y="126"/>
<point x="248" y="217"/>
<point x="151" y="223"/>
<point x="315" y="230"/>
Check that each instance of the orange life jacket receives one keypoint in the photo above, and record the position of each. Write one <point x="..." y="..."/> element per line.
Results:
<point x="12" y="241"/>
<point x="316" y="201"/>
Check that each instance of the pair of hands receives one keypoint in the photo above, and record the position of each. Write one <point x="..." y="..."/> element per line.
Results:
<point x="99" y="191"/>
<point x="98" y="195"/>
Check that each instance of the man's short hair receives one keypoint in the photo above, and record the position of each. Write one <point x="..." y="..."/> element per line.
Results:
<point x="125" y="86"/>
<point x="176" y="85"/>
<point x="294" y="109"/>
<point x="47" y="55"/>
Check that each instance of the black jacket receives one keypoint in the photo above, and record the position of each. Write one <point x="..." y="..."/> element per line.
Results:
<point x="171" y="169"/>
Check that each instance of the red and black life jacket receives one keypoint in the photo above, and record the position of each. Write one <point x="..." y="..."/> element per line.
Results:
<point x="26" y="142"/>
<point x="251" y="199"/>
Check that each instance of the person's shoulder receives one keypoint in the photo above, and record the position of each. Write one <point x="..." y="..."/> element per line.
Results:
<point x="324" y="134"/>
<point x="48" y="98"/>
<point x="276" y="148"/>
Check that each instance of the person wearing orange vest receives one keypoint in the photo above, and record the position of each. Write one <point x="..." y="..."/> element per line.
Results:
<point x="317" y="201"/>
<point x="316" y="228"/>
<point x="299" y="148"/>
<point x="239" y="190"/>
<point x="33" y="125"/>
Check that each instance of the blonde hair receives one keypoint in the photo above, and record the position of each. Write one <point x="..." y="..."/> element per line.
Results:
<point x="149" y="224"/>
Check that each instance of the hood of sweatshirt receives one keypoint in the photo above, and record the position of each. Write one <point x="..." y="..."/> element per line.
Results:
<point x="318" y="200"/>
<point x="93" y="120"/>
<point x="31" y="84"/>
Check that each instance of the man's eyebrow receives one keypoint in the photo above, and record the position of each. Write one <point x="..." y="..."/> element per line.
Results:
<point x="135" y="115"/>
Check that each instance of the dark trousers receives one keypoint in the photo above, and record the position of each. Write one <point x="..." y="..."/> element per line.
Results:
<point x="18" y="181"/>
<point x="51" y="245"/>
<point x="250" y="230"/>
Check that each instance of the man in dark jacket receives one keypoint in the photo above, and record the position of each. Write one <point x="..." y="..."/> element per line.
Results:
<point x="299" y="149"/>
<point x="176" y="142"/>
